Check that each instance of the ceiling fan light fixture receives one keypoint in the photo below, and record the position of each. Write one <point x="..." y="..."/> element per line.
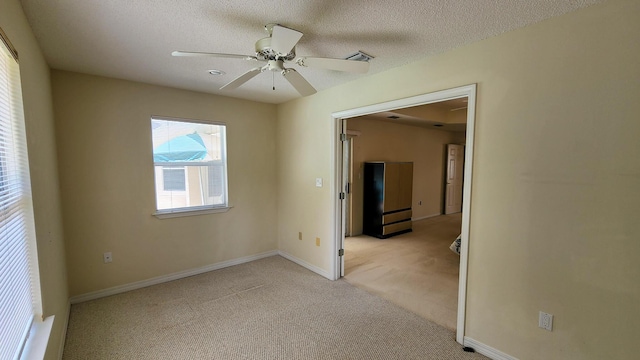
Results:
<point x="216" y="72"/>
<point x="359" y="56"/>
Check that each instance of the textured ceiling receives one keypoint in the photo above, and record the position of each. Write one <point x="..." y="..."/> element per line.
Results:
<point x="133" y="40"/>
<point x="449" y="115"/>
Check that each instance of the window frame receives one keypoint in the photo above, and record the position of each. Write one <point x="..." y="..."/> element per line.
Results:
<point x="201" y="209"/>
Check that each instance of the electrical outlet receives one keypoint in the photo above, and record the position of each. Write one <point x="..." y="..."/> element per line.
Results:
<point x="317" y="241"/>
<point x="300" y="235"/>
<point x="545" y="321"/>
<point x="107" y="257"/>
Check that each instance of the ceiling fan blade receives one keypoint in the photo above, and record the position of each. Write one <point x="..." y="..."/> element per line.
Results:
<point x="284" y="39"/>
<point x="194" y="53"/>
<point x="242" y="79"/>
<point x="298" y="82"/>
<point x="334" y="64"/>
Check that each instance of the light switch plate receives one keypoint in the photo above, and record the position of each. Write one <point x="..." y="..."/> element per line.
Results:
<point x="318" y="182"/>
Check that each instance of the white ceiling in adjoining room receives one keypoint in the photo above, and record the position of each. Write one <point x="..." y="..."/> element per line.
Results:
<point x="448" y="115"/>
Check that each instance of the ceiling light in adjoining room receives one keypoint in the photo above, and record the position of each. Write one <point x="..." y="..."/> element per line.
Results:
<point x="216" y="72"/>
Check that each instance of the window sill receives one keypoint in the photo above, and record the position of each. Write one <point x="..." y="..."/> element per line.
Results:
<point x="36" y="344"/>
<point x="195" y="212"/>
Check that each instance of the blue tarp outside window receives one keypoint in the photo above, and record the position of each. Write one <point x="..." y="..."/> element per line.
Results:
<point x="182" y="148"/>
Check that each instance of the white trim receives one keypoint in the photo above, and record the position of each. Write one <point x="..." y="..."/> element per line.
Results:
<point x="192" y="212"/>
<point x="486" y="350"/>
<point x="63" y="338"/>
<point x="426" y="217"/>
<point x="468" y="91"/>
<point x="437" y="96"/>
<point x="466" y="212"/>
<point x="199" y="121"/>
<point x="336" y="174"/>
<point x="166" y="278"/>
<point x="305" y="264"/>
<point x="36" y="345"/>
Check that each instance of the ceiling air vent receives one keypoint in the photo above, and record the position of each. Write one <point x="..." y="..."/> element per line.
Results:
<point x="359" y="56"/>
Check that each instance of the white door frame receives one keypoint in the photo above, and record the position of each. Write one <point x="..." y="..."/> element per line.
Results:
<point x="468" y="91"/>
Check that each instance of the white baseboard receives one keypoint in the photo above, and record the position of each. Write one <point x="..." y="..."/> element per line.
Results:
<point x="425" y="217"/>
<point x="166" y="278"/>
<point x="486" y="350"/>
<point x="305" y="264"/>
<point x="64" y="330"/>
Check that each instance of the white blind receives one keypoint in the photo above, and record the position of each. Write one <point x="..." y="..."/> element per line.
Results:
<point x="19" y="300"/>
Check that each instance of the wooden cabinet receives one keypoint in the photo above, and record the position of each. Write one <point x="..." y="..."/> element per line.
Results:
<point x="387" y="198"/>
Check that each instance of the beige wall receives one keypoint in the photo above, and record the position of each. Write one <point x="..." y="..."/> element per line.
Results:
<point x="36" y="93"/>
<point x="383" y="141"/>
<point x="555" y="192"/>
<point x="106" y="175"/>
<point x="555" y="195"/>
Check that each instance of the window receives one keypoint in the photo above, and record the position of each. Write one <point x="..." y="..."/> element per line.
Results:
<point x="190" y="165"/>
<point x="20" y="302"/>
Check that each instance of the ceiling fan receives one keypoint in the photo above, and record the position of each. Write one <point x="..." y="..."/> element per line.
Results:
<point x="276" y="50"/>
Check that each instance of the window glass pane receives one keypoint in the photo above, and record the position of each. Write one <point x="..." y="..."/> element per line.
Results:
<point x="189" y="159"/>
<point x="215" y="180"/>
<point x="173" y="179"/>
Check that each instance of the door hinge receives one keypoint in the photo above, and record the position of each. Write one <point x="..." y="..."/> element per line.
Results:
<point x="343" y="137"/>
<point x="341" y="252"/>
<point x="342" y="196"/>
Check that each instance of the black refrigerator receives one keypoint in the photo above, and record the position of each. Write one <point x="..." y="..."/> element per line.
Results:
<point x="387" y="198"/>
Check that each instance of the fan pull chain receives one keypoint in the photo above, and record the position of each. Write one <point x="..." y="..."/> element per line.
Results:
<point x="273" y="80"/>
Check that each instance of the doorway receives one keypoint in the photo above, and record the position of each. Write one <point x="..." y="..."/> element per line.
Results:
<point x="468" y="92"/>
<point x="416" y="270"/>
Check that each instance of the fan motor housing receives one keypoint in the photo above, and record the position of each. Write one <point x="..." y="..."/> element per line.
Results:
<point x="275" y="65"/>
<point x="265" y="52"/>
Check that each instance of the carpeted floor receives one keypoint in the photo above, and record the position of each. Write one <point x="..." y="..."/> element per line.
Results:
<point x="267" y="309"/>
<point x="416" y="270"/>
